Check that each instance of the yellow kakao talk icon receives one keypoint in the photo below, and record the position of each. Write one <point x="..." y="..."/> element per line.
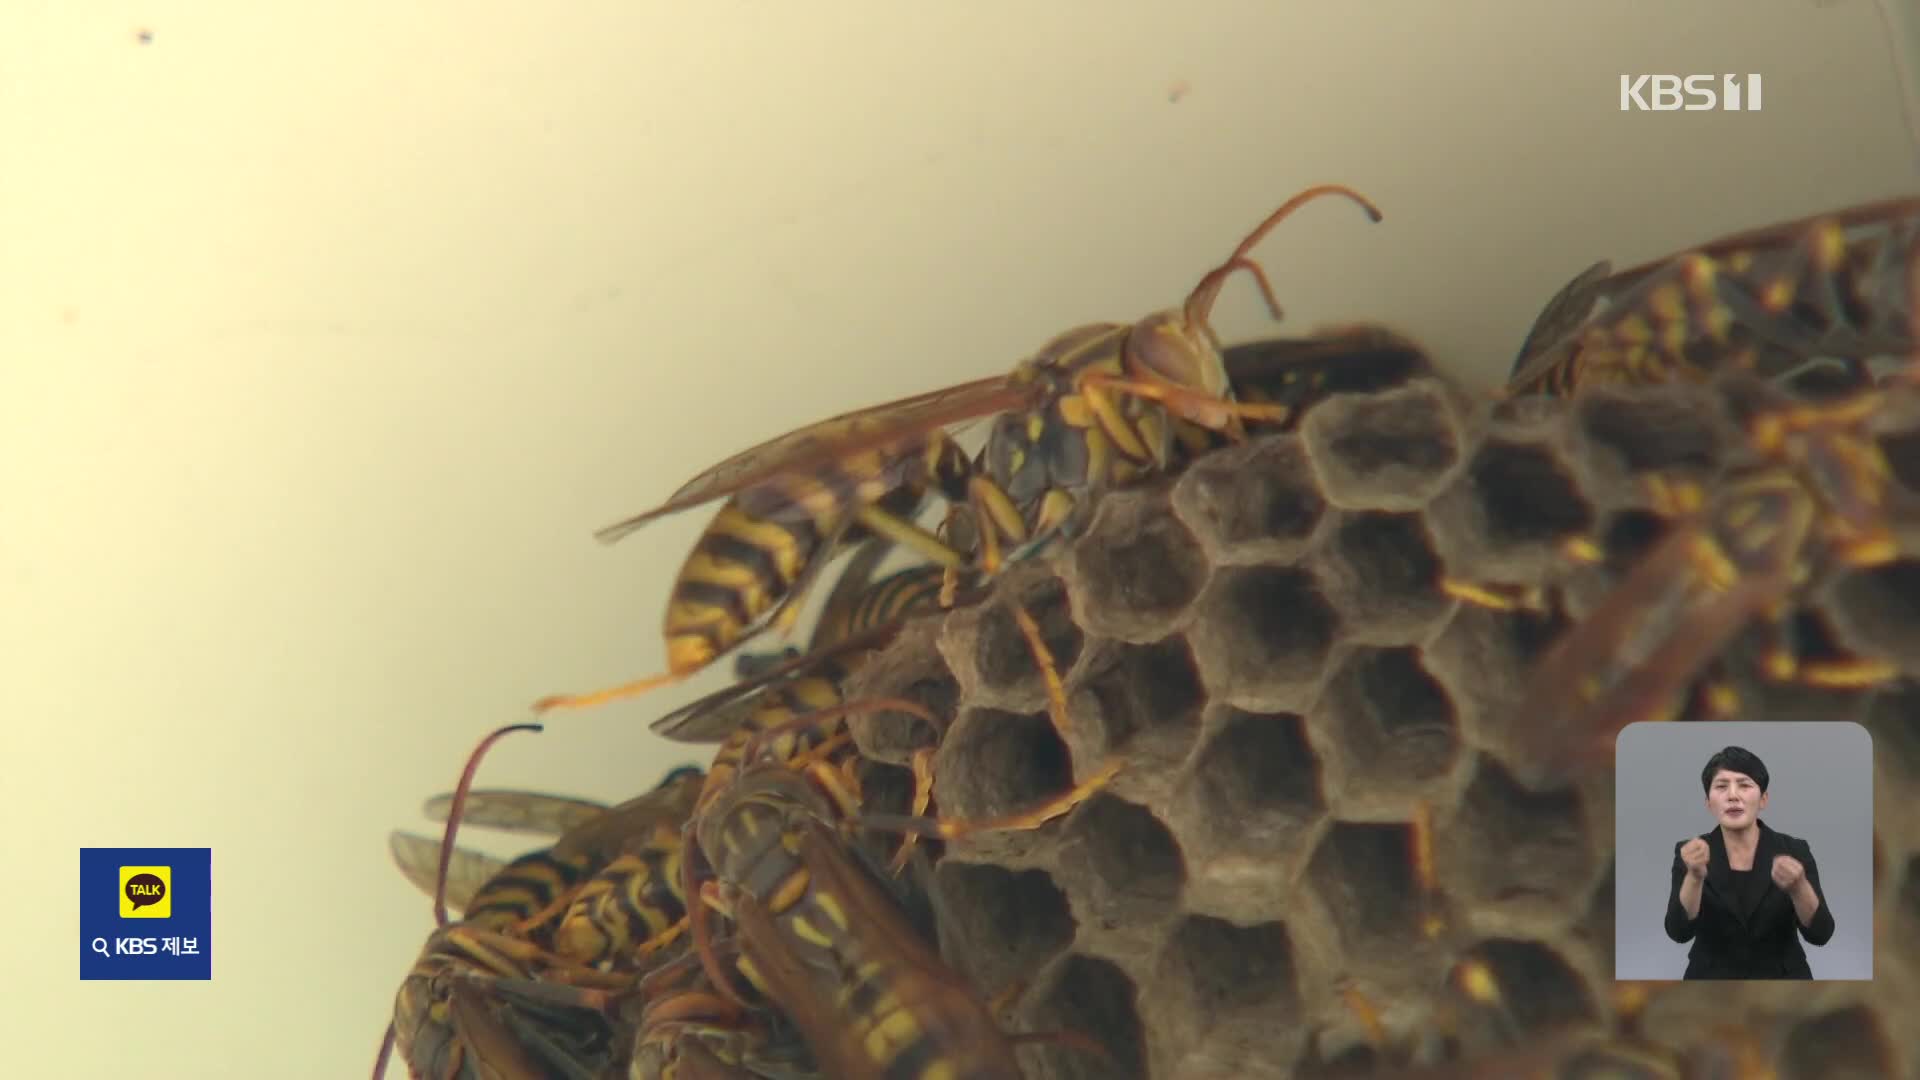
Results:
<point x="146" y="892"/>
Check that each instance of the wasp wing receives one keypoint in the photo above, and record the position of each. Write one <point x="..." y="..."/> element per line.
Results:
<point x="517" y="811"/>
<point x="826" y="441"/>
<point x="1646" y="641"/>
<point x="1877" y="214"/>
<point x="1564" y="313"/>
<point x="949" y="1016"/>
<point x="418" y="858"/>
<point x="605" y="837"/>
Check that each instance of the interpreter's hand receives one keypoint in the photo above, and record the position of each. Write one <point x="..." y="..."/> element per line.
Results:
<point x="1694" y="854"/>
<point x="1787" y="872"/>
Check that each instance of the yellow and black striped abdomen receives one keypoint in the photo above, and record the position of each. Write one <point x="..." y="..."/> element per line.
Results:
<point x="767" y="540"/>
<point x="900" y="594"/>
<point x="522" y="888"/>
<point x="889" y="1019"/>
<point x="632" y="900"/>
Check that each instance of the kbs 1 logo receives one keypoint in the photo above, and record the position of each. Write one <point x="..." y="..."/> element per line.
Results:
<point x="1689" y="93"/>
<point x="146" y="913"/>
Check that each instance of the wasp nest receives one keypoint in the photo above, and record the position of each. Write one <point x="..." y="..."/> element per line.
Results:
<point x="1263" y="641"/>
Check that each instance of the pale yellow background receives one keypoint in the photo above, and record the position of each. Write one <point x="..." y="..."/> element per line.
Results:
<point x="328" y="334"/>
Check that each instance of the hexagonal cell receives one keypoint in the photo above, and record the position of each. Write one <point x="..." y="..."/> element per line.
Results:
<point x="1093" y="997"/>
<point x="1906" y="913"/>
<point x="1849" y="1042"/>
<point x="1380" y="571"/>
<point x="1524" y="495"/>
<point x="994" y="763"/>
<point x="1254" y="787"/>
<point x="911" y="668"/>
<point x="1004" y="660"/>
<point x="1263" y="632"/>
<point x="1617" y="1061"/>
<point x="1482" y="658"/>
<point x="884" y="788"/>
<point x="891" y="735"/>
<point x="999" y="925"/>
<point x="1120" y="857"/>
<point x="1392" y="725"/>
<point x="1629" y="535"/>
<point x="1538" y="990"/>
<point x="1136" y="569"/>
<point x="1762" y="694"/>
<point x="1141" y="688"/>
<point x="1902" y="451"/>
<point x="1651" y="432"/>
<point x="1511" y="846"/>
<point x="1594" y="922"/>
<point x="1364" y="877"/>
<point x="1877" y="612"/>
<point x="1879" y="860"/>
<point x="1211" y="972"/>
<point x="1354" y="1055"/>
<point x="1260" y="497"/>
<point x="1896" y="738"/>
<point x="1387" y="451"/>
<point x="1814" y="638"/>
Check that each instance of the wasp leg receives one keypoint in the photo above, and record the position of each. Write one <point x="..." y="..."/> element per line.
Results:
<point x="1024" y="820"/>
<point x="702" y="897"/>
<point x="1433" y="921"/>
<point x="997" y="522"/>
<point x="1496" y="597"/>
<point x="1186" y="398"/>
<point x="1049" y="667"/>
<point x="922" y="764"/>
<point x="909" y="535"/>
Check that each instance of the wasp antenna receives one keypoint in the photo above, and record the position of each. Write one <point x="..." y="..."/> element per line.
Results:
<point x="1200" y="302"/>
<point x="386" y="1052"/>
<point x="457" y="807"/>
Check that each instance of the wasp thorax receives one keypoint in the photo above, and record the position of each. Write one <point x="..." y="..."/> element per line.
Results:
<point x="1165" y="348"/>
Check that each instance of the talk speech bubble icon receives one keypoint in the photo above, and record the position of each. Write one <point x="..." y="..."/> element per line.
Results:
<point x="144" y="890"/>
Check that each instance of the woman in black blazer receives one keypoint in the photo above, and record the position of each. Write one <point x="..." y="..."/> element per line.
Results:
<point x="1741" y="891"/>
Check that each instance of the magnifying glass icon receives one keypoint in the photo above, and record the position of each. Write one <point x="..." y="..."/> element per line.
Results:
<point x="100" y="946"/>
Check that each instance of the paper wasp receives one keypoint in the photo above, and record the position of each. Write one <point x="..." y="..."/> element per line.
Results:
<point x="673" y="1026"/>
<point x="829" y="947"/>
<point x="1808" y="497"/>
<point x="445" y="1028"/>
<point x="1095" y="407"/>
<point x="1798" y="300"/>
<point x="860" y="616"/>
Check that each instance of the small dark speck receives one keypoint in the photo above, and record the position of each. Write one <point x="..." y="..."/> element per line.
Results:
<point x="143" y="36"/>
<point x="1177" y="91"/>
